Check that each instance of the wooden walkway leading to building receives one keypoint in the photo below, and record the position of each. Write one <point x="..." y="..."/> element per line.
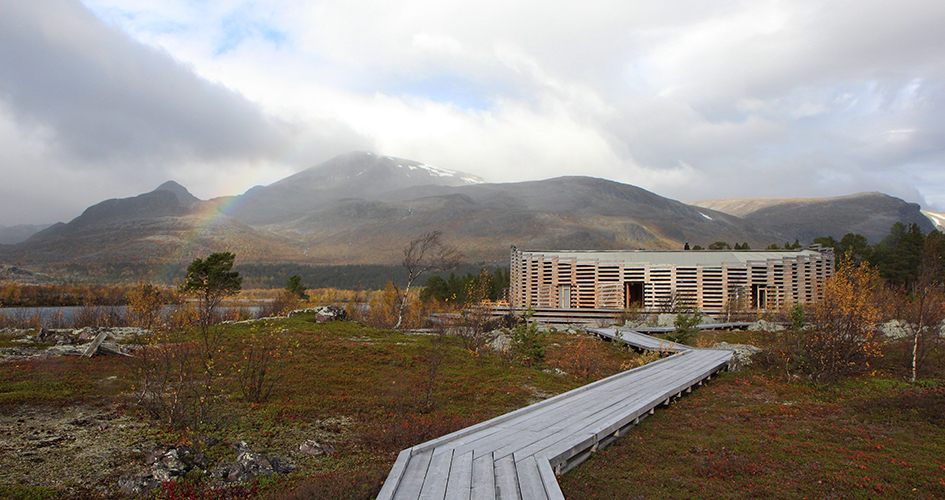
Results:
<point x="518" y="455"/>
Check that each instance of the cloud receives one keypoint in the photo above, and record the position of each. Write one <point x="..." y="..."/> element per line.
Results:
<point x="687" y="98"/>
<point x="106" y="97"/>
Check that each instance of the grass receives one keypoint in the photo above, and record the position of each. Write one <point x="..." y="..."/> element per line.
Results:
<point x="60" y="381"/>
<point x="754" y="435"/>
<point x="368" y="393"/>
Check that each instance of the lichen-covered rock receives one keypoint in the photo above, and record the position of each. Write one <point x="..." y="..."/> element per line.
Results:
<point x="315" y="448"/>
<point x="743" y="354"/>
<point x="323" y="313"/>
<point x="765" y="326"/>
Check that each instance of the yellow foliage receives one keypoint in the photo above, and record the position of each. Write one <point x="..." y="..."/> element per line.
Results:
<point x="845" y="331"/>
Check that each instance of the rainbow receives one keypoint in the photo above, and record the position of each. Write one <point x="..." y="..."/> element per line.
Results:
<point x="205" y="217"/>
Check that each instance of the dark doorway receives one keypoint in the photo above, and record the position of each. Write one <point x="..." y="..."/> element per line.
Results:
<point x="759" y="297"/>
<point x="633" y="294"/>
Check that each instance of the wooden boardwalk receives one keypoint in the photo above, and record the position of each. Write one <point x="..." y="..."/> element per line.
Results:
<point x="518" y="455"/>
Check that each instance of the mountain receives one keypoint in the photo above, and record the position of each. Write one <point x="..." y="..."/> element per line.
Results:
<point x="115" y="212"/>
<point x="164" y="225"/>
<point x="364" y="208"/>
<point x="485" y="219"/>
<point x="10" y="235"/>
<point x="180" y="192"/>
<point x="869" y="214"/>
<point x="352" y="175"/>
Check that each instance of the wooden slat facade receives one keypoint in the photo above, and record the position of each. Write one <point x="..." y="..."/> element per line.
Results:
<point x="658" y="280"/>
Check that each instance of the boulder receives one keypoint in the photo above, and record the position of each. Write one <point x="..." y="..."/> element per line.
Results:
<point x="313" y="448"/>
<point x="323" y="313"/>
<point x="765" y="326"/>
<point x="169" y="464"/>
<point x="743" y="354"/>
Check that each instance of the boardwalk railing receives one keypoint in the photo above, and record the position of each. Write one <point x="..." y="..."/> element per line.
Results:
<point x="519" y="454"/>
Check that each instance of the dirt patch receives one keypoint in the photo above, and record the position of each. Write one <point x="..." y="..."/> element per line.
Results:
<point x="83" y="446"/>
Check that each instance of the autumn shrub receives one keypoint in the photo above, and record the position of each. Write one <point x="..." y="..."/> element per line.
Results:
<point x="27" y="319"/>
<point x="475" y="316"/>
<point x="528" y="343"/>
<point x="382" y="308"/>
<point x="724" y="464"/>
<point x="8" y="321"/>
<point x="643" y="359"/>
<point x="97" y="316"/>
<point x="166" y="377"/>
<point x="335" y="486"/>
<point x="844" y="337"/>
<point x="687" y="326"/>
<point x="586" y="358"/>
<point x="145" y="302"/>
<point x="63" y="295"/>
<point x="193" y="490"/>
<point x="27" y="492"/>
<point x="927" y="403"/>
<point x="784" y="351"/>
<point x="168" y="371"/>
<point x="256" y="370"/>
<point x="282" y="305"/>
<point x="391" y="434"/>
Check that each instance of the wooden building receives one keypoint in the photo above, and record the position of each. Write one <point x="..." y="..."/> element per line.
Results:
<point x="665" y="280"/>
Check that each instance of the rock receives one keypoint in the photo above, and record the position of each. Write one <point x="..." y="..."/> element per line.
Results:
<point x="240" y="447"/>
<point x="499" y="341"/>
<point x="765" y="326"/>
<point x="250" y="464"/>
<point x="313" y="448"/>
<point x="86" y="333"/>
<point x="323" y="313"/>
<point x="169" y="464"/>
<point x="666" y="319"/>
<point x="138" y="483"/>
<point x="282" y="466"/>
<point x="894" y="329"/>
<point x="743" y="354"/>
<point x="231" y="473"/>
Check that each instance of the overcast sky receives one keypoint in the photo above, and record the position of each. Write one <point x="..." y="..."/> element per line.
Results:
<point x="689" y="99"/>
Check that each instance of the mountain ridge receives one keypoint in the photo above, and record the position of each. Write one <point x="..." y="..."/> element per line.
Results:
<point x="870" y="214"/>
<point x="351" y="175"/>
<point x="362" y="208"/>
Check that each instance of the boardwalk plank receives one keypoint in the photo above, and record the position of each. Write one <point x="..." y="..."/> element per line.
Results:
<point x="438" y="473"/>
<point x="604" y="396"/>
<point x="483" y="478"/>
<point x="414" y="476"/>
<point x="459" y="485"/>
<point x="396" y="473"/>
<point x="548" y="479"/>
<point x="506" y="480"/>
<point x="514" y="456"/>
<point x="529" y="479"/>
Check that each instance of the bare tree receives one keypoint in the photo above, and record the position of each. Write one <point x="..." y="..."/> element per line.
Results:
<point x="924" y="310"/>
<point x="426" y="253"/>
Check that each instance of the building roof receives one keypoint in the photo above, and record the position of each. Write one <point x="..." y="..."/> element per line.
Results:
<point x="680" y="257"/>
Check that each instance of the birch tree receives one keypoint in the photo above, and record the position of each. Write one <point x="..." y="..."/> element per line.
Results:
<point x="924" y="309"/>
<point x="426" y="253"/>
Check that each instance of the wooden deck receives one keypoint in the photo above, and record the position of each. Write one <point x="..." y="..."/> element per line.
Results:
<point x="518" y="455"/>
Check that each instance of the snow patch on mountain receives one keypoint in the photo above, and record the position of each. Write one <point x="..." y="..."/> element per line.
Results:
<point x="443" y="172"/>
